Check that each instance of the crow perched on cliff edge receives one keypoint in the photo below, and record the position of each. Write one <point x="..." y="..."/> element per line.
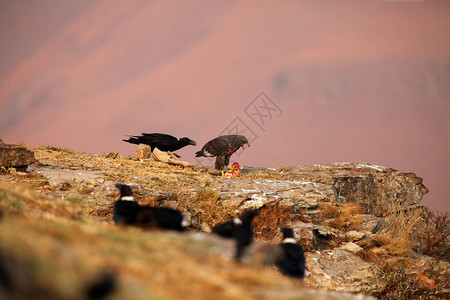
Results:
<point x="163" y="142"/>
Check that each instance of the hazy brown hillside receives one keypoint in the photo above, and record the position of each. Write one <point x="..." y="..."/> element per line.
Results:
<point x="57" y="234"/>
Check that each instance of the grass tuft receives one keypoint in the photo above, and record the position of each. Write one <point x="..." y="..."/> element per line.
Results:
<point x="52" y="148"/>
<point x="346" y="216"/>
<point x="271" y="218"/>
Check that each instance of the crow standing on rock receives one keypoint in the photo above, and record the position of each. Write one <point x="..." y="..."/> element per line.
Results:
<point x="222" y="148"/>
<point x="163" y="142"/>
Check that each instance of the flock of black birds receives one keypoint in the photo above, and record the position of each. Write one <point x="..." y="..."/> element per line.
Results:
<point x="221" y="147"/>
<point x="128" y="211"/>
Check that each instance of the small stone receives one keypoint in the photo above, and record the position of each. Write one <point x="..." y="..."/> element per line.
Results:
<point x="113" y="155"/>
<point x="354" y="235"/>
<point x="161" y="156"/>
<point x="180" y="163"/>
<point x="143" y="151"/>
<point x="351" y="247"/>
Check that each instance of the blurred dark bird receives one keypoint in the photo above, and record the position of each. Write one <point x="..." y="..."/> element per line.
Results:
<point x="127" y="211"/>
<point x="240" y="229"/>
<point x="102" y="286"/>
<point x="126" y="208"/>
<point x="292" y="260"/>
<point x="163" y="142"/>
<point x="6" y="282"/>
<point x="222" y="148"/>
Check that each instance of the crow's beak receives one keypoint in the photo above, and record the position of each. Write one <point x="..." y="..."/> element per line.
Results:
<point x="193" y="143"/>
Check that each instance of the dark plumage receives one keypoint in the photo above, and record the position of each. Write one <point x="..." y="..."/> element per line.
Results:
<point x="102" y="286"/>
<point x="240" y="229"/>
<point x="222" y="148"/>
<point x="128" y="211"/>
<point x="292" y="262"/>
<point x="6" y="282"/>
<point x="163" y="142"/>
<point x="126" y="208"/>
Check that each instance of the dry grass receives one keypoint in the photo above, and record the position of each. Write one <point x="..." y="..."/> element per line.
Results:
<point x="398" y="235"/>
<point x="435" y="235"/>
<point x="17" y="200"/>
<point x="271" y="218"/>
<point x="399" y="285"/>
<point x="345" y="216"/>
<point x="206" y="208"/>
<point x="369" y="256"/>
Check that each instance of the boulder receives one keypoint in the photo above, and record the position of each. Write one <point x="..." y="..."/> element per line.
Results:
<point x="15" y="156"/>
<point x="367" y="184"/>
<point x="340" y="270"/>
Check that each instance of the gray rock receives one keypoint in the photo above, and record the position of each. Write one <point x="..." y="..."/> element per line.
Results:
<point x="298" y="195"/>
<point x="15" y="156"/>
<point x="60" y="177"/>
<point x="365" y="183"/>
<point x="340" y="270"/>
<point x="351" y="247"/>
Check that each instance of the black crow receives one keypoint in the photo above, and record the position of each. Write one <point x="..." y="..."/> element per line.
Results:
<point x="102" y="286"/>
<point x="163" y="142"/>
<point x="128" y="211"/>
<point x="292" y="262"/>
<point x="222" y="148"/>
<point x="126" y="208"/>
<point x="162" y="217"/>
<point x="6" y="282"/>
<point x="240" y="229"/>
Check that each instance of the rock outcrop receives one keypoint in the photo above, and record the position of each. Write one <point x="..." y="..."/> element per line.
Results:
<point x="341" y="271"/>
<point x="15" y="156"/>
<point x="365" y="183"/>
<point x="298" y="195"/>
